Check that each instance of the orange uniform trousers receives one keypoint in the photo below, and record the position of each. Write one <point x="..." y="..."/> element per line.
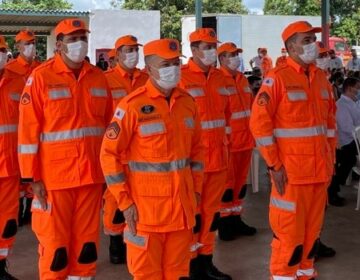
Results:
<point x="234" y="194"/>
<point x="158" y="256"/>
<point x="9" y="207"/>
<point x="296" y="219"/>
<point x="209" y="213"/>
<point x="68" y="232"/>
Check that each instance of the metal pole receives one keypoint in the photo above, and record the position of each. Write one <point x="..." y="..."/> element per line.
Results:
<point x="198" y="12"/>
<point x="325" y="20"/>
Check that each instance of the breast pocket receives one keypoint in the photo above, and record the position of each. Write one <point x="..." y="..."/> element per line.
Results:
<point x="153" y="140"/>
<point x="99" y="100"/>
<point x="188" y="130"/>
<point x="60" y="103"/>
<point x="296" y="107"/>
<point x="300" y="156"/>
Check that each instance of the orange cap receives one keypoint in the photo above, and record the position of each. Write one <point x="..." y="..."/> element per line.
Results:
<point x="25" y="35"/>
<point x="165" y="48"/>
<point x="111" y="53"/>
<point x="322" y="48"/>
<point x="207" y="35"/>
<point x="3" y="44"/>
<point x="228" y="47"/>
<point x="68" y="26"/>
<point x="127" y="40"/>
<point x="299" y="27"/>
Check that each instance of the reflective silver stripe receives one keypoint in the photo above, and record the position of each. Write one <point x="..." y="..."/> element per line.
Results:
<point x="331" y="133"/>
<point x="115" y="179"/>
<point x="231" y="90"/>
<point x="189" y="122"/>
<point x="118" y="93"/>
<point x="223" y="91"/>
<point x="299" y="132"/>
<point x="119" y="113"/>
<point x="59" y="93"/>
<point x="137" y="240"/>
<point x="28" y="149"/>
<point x="228" y="130"/>
<point x="297" y="95"/>
<point x="195" y="247"/>
<point x="15" y="96"/>
<point x="196" y="92"/>
<point x="305" y="272"/>
<point x="212" y="124"/>
<point x="324" y="94"/>
<point x="264" y="141"/>
<point x="240" y="115"/>
<point x="196" y="166"/>
<point x="283" y="204"/>
<point x="151" y="128"/>
<point x="98" y="92"/>
<point x="159" y="167"/>
<point x="81" y="277"/>
<point x="283" y="278"/>
<point x="72" y="134"/>
<point x="8" y="128"/>
<point x="4" y="252"/>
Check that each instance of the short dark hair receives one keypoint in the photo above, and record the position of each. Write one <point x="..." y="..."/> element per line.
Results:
<point x="60" y="37"/>
<point x="292" y="39"/>
<point x="252" y="79"/>
<point x="195" y="44"/>
<point x="350" y="82"/>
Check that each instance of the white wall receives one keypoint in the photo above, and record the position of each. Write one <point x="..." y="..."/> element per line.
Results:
<point x="108" y="25"/>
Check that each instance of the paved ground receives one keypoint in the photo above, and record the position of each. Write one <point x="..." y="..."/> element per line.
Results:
<point x="245" y="258"/>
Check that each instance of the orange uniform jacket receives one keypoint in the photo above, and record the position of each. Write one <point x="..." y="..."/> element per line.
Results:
<point x="239" y="98"/>
<point x="120" y="83"/>
<point x="293" y="123"/>
<point x="164" y="155"/>
<point x="21" y="67"/>
<point x="266" y="65"/>
<point x="62" y="122"/>
<point x="207" y="90"/>
<point x="281" y="61"/>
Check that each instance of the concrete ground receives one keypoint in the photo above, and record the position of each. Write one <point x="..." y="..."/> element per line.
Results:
<point x="245" y="258"/>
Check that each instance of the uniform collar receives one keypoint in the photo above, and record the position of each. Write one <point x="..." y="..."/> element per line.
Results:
<point x="22" y="61"/>
<point x="153" y="92"/>
<point x="298" y="68"/>
<point x="196" y="68"/>
<point x="225" y="71"/>
<point x="124" y="73"/>
<point x="60" y="66"/>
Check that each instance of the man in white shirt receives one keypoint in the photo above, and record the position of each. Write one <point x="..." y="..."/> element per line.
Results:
<point x="354" y="63"/>
<point x="256" y="61"/>
<point x="347" y="118"/>
<point x="335" y="61"/>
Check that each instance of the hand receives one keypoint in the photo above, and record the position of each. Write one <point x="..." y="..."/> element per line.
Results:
<point x="198" y="198"/>
<point x="280" y="179"/>
<point x="40" y="192"/>
<point x="131" y="217"/>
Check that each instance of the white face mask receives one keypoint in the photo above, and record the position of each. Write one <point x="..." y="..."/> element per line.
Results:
<point x="311" y="52"/>
<point x="131" y="60"/>
<point x="169" y="77"/>
<point x="209" y="57"/>
<point x="234" y="62"/>
<point x="3" y="60"/>
<point x="323" y="63"/>
<point x="29" y="51"/>
<point x="77" y="51"/>
<point x="284" y="54"/>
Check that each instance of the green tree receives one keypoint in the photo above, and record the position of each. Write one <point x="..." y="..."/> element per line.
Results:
<point x="34" y="5"/>
<point x="292" y="7"/>
<point x="173" y="10"/>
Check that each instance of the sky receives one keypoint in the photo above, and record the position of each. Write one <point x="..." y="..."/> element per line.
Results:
<point x="255" y="6"/>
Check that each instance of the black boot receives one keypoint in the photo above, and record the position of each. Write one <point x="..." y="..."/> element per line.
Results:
<point x="117" y="250"/>
<point x="324" y="252"/>
<point x="21" y="212"/>
<point x="209" y="271"/>
<point x="226" y="232"/>
<point x="240" y="228"/>
<point x="27" y="212"/>
<point x="195" y="273"/>
<point x="4" y="275"/>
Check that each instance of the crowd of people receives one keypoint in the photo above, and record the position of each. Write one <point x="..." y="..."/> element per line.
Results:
<point x="165" y="151"/>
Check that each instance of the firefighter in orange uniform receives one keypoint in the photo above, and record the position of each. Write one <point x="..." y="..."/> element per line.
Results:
<point x="19" y="70"/>
<point x="281" y="60"/>
<point x="239" y="98"/>
<point x="157" y="127"/>
<point x="64" y="110"/>
<point x="9" y="170"/>
<point x="205" y="84"/>
<point x="112" y="58"/>
<point x="294" y="126"/>
<point x="122" y="80"/>
<point x="266" y="62"/>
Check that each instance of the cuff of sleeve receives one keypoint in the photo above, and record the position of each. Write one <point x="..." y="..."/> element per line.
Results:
<point x="124" y="201"/>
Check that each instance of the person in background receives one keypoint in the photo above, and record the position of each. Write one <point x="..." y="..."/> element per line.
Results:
<point x="335" y="62"/>
<point x="281" y="60"/>
<point x="266" y="62"/>
<point x="255" y="84"/>
<point x="354" y="62"/>
<point x="112" y="58"/>
<point x="256" y="61"/>
<point x="323" y="60"/>
<point x="337" y="80"/>
<point x="102" y="63"/>
<point x="257" y="72"/>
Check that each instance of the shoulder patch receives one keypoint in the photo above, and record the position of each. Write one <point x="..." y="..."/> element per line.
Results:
<point x="25" y="99"/>
<point x="29" y="81"/>
<point x="268" y="82"/>
<point x="263" y="99"/>
<point x="113" y="130"/>
<point x="147" y="109"/>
